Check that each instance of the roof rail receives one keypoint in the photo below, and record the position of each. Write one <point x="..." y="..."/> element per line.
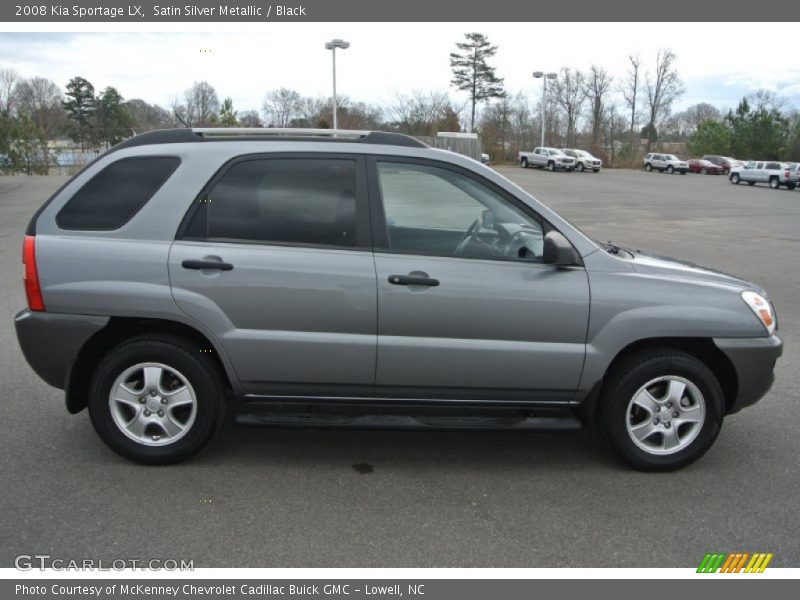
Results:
<point x="216" y="134"/>
<point x="274" y="131"/>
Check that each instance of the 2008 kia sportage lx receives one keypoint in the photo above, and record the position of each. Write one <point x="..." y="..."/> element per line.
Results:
<point x="187" y="269"/>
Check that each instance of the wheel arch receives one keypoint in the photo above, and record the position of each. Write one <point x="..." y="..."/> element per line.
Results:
<point x="120" y="329"/>
<point x="703" y="349"/>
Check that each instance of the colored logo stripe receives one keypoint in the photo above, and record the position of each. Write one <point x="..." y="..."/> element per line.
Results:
<point x="734" y="562"/>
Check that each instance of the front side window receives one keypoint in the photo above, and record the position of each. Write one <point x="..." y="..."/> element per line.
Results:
<point x="436" y="211"/>
<point x="112" y="197"/>
<point x="293" y="200"/>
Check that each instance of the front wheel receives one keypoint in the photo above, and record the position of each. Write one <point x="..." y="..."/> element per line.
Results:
<point x="156" y="399"/>
<point x="704" y="171"/>
<point x="524" y="162"/>
<point x="648" y="167"/>
<point x="551" y="166"/>
<point x="580" y="168"/>
<point x="661" y="410"/>
<point x="735" y="179"/>
<point x="670" y="169"/>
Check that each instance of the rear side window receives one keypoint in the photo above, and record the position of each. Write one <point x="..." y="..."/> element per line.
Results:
<point x="113" y="196"/>
<point x="281" y="200"/>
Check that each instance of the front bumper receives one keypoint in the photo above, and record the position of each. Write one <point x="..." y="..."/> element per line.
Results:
<point x="51" y="341"/>
<point x="754" y="360"/>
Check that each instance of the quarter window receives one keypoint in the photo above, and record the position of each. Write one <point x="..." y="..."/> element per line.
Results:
<point x="300" y="201"/>
<point x="112" y="197"/>
<point x="436" y="211"/>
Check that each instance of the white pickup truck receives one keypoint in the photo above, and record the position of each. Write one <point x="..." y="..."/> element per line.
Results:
<point x="774" y="173"/>
<point x="546" y="158"/>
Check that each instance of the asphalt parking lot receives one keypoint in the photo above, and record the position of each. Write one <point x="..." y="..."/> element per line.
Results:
<point x="283" y="498"/>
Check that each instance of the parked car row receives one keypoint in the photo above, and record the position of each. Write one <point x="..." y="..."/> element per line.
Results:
<point x="553" y="159"/>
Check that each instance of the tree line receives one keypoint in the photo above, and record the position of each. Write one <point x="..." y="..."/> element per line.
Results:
<point x="617" y="118"/>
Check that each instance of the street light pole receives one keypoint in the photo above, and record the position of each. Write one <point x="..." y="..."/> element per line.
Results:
<point x="544" y="77"/>
<point x="333" y="45"/>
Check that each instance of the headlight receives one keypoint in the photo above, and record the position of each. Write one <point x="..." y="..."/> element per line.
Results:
<point x="762" y="309"/>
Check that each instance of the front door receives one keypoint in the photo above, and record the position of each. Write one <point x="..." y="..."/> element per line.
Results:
<point x="466" y="308"/>
<point x="276" y="261"/>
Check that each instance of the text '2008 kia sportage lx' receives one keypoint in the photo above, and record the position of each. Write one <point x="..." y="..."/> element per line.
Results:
<point x="189" y="269"/>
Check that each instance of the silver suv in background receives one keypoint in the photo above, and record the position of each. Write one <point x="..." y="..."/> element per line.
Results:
<point x="668" y="163"/>
<point x="773" y="173"/>
<point x="551" y="159"/>
<point x="307" y="277"/>
<point x="584" y="160"/>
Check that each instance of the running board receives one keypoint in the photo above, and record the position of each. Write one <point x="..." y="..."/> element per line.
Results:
<point x="433" y="423"/>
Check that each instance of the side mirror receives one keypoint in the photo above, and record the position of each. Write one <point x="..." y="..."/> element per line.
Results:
<point x="558" y="251"/>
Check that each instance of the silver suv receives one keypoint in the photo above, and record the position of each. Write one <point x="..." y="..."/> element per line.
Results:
<point x="668" y="163"/>
<point x="315" y="277"/>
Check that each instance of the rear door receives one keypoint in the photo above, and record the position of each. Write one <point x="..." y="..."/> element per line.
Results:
<point x="466" y="308"/>
<point x="275" y="258"/>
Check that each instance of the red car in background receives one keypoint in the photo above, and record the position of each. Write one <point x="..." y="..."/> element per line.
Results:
<point x="706" y="167"/>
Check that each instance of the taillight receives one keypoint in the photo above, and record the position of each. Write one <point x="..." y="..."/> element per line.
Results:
<point x="30" y="276"/>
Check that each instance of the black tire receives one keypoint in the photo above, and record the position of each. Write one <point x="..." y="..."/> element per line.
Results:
<point x="683" y="171"/>
<point x="791" y="186"/>
<point x="596" y="170"/>
<point x="751" y="183"/>
<point x="551" y="166"/>
<point x="670" y="169"/>
<point x="704" y="171"/>
<point x="198" y="368"/>
<point x="627" y="377"/>
<point x="734" y="179"/>
<point x="524" y="162"/>
<point x="648" y="167"/>
<point x="581" y="168"/>
<point x="774" y="183"/>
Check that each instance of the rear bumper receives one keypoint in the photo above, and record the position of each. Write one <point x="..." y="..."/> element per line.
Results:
<point x="51" y="341"/>
<point x="754" y="360"/>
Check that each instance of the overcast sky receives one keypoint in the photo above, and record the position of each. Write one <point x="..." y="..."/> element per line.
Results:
<point x="718" y="62"/>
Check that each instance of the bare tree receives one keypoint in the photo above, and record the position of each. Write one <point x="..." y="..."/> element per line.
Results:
<point x="630" y="91"/>
<point x="8" y="80"/>
<point x="40" y="99"/>
<point x="147" y="117"/>
<point x="662" y="89"/>
<point x="281" y="107"/>
<point x="200" y="107"/>
<point x="423" y="113"/>
<point x="249" y="118"/>
<point x="569" y="92"/>
<point x="597" y="86"/>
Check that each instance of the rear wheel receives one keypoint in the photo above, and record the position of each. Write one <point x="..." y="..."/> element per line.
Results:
<point x="774" y="183"/>
<point x="524" y="162"/>
<point x="791" y="186"/>
<point x="661" y="410"/>
<point x="751" y="183"/>
<point x="156" y="399"/>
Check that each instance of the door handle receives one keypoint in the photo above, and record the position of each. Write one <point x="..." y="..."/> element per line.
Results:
<point x="206" y="264"/>
<point x="412" y="280"/>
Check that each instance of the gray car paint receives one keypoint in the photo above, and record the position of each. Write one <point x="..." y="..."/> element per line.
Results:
<point x="124" y="273"/>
